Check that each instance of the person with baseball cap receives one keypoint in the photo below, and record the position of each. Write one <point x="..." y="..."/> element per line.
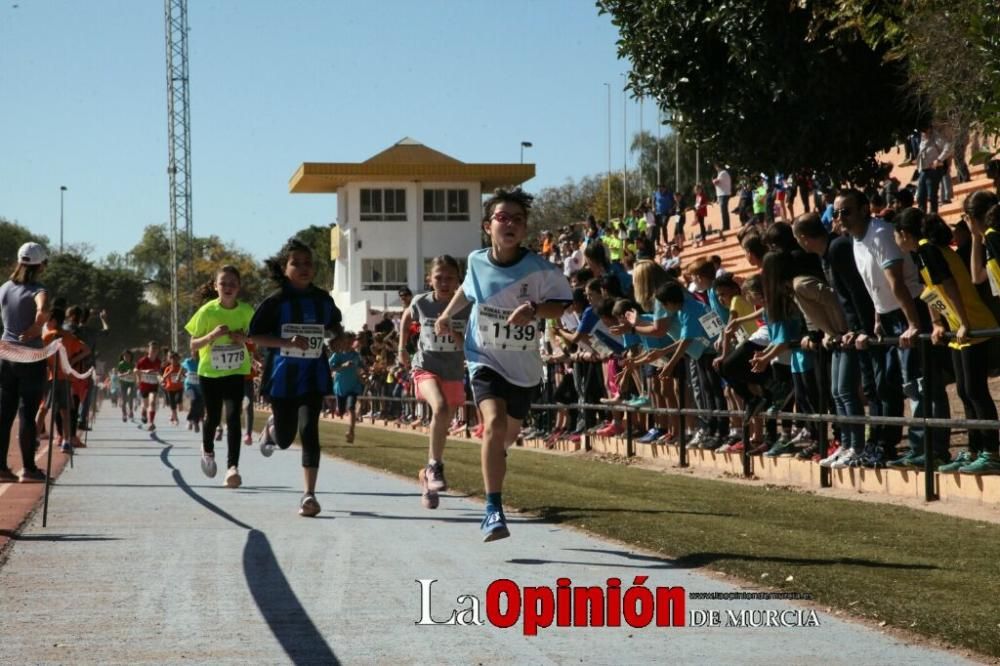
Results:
<point x="24" y="308"/>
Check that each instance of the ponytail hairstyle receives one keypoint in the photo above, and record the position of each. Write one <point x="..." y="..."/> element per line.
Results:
<point x="276" y="265"/>
<point x="937" y="231"/>
<point x="776" y="286"/>
<point x="992" y="219"/>
<point x="979" y="205"/>
<point x="922" y="226"/>
<point x="208" y="291"/>
<point x="910" y="221"/>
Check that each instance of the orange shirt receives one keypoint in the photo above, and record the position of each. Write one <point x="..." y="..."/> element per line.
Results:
<point x="172" y="378"/>
<point x="72" y="344"/>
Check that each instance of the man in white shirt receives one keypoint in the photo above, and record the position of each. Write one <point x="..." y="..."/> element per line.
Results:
<point x="891" y="278"/>
<point x="723" y="189"/>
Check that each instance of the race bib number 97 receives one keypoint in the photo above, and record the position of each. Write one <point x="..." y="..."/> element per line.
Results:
<point x="312" y="332"/>
<point x="431" y="341"/>
<point x="228" y="357"/>
<point x="495" y="333"/>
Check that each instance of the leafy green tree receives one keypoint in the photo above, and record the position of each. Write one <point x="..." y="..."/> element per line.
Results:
<point x="318" y="238"/>
<point x="951" y="49"/>
<point x="764" y="85"/>
<point x="12" y="237"/>
<point x="150" y="259"/>
<point x="119" y="291"/>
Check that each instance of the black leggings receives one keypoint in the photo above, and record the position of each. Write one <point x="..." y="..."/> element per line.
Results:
<point x="20" y="393"/>
<point x="219" y="391"/>
<point x="248" y="405"/>
<point x="301" y="414"/>
<point x="736" y="370"/>
<point x="971" y="368"/>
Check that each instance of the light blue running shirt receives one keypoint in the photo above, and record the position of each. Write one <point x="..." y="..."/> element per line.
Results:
<point x="496" y="290"/>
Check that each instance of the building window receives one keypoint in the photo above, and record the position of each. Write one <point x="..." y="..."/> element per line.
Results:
<point x="383" y="274"/>
<point x="383" y="205"/>
<point x="446" y="205"/>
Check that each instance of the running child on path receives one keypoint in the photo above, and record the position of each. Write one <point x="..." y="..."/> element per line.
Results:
<point x="345" y="363"/>
<point x="512" y="288"/>
<point x="126" y="376"/>
<point x="438" y="367"/>
<point x="173" y="385"/>
<point x="192" y="389"/>
<point x="147" y="371"/>
<point x="291" y="324"/>
<point x="218" y="333"/>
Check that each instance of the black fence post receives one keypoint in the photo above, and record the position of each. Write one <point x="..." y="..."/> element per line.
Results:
<point x="52" y="439"/>
<point x="930" y="491"/>
<point x="822" y="431"/>
<point x="681" y="405"/>
<point x="629" y="443"/>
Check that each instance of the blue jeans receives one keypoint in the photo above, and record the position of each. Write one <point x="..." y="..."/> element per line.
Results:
<point x="724" y="209"/>
<point x="898" y="375"/>
<point x="927" y="189"/>
<point x="845" y="373"/>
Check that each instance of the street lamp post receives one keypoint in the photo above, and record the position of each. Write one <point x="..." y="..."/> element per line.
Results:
<point x="624" y="146"/>
<point x="608" y="86"/>
<point x="62" y="192"/>
<point x="524" y="144"/>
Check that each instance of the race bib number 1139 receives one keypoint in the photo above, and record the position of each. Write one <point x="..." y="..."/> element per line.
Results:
<point x="495" y="333"/>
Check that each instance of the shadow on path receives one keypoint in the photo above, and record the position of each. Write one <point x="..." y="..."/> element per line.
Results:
<point x="276" y="600"/>
<point x="284" y="614"/>
<point x="700" y="560"/>
<point x="560" y="514"/>
<point x="11" y="534"/>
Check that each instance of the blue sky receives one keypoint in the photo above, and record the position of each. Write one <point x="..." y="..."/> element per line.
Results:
<point x="276" y="83"/>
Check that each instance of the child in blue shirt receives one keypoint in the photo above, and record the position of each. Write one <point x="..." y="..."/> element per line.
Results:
<point x="345" y="364"/>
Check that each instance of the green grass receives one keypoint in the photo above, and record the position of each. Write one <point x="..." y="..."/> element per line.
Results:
<point x="930" y="574"/>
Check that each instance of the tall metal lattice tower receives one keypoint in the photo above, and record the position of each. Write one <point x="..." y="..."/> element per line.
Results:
<point x="179" y="144"/>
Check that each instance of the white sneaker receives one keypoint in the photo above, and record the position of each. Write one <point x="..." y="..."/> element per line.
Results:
<point x="801" y="437"/>
<point x="845" y="460"/>
<point x="233" y="478"/>
<point x="266" y="445"/>
<point x="833" y="457"/>
<point x="309" y="507"/>
<point x="208" y="464"/>
<point x="697" y="438"/>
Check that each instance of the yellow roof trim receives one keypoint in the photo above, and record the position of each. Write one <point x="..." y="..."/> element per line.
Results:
<point x="328" y="177"/>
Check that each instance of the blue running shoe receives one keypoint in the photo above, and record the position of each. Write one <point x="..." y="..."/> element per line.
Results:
<point x="494" y="526"/>
<point x="651" y="436"/>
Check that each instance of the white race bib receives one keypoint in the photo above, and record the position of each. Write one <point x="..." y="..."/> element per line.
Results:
<point x="193" y="379"/>
<point x="741" y="335"/>
<point x="939" y="307"/>
<point x="598" y="346"/>
<point x="431" y="341"/>
<point x="712" y="324"/>
<point x="313" y="332"/>
<point x="228" y="357"/>
<point x="495" y="333"/>
<point x="149" y="378"/>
